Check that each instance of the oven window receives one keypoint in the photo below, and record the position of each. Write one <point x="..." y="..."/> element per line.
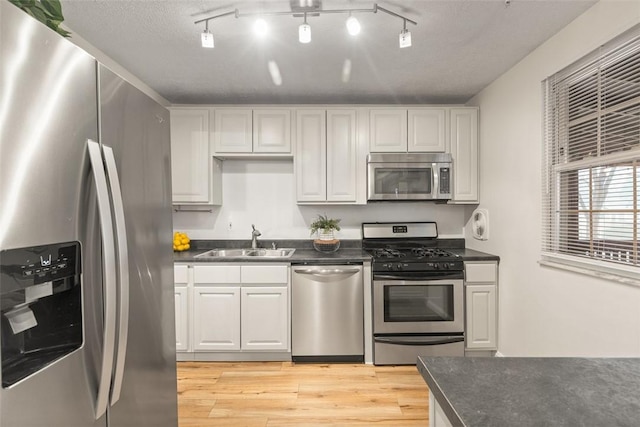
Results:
<point x="403" y="181"/>
<point x="418" y="303"/>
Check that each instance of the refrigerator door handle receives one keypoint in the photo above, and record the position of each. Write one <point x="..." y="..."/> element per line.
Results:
<point x="123" y="272"/>
<point x="109" y="277"/>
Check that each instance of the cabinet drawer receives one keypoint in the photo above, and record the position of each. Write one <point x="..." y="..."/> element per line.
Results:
<point x="265" y="274"/>
<point x="480" y="272"/>
<point x="216" y="274"/>
<point x="180" y="274"/>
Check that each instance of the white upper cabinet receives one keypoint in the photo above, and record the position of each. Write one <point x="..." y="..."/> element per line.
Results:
<point x="245" y="131"/>
<point x="311" y="156"/>
<point x="427" y="130"/>
<point x="327" y="156"/>
<point x="408" y="130"/>
<point x="388" y="130"/>
<point x="271" y="131"/>
<point x="464" y="152"/>
<point x="194" y="172"/>
<point x="232" y="132"/>
<point x="341" y="156"/>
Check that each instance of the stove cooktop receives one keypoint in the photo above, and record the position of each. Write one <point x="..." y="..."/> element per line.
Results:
<point x="409" y="247"/>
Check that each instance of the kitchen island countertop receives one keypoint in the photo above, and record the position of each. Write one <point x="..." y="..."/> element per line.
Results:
<point x="522" y="391"/>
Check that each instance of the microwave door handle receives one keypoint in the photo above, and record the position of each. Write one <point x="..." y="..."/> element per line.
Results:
<point x="435" y="181"/>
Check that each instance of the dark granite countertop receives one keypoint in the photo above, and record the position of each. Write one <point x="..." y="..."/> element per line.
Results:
<point x="527" y="392"/>
<point x="350" y="251"/>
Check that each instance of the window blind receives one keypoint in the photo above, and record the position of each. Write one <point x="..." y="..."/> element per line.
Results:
<point x="591" y="163"/>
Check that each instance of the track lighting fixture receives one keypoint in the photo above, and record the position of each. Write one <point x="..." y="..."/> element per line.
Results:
<point x="405" y="36"/>
<point x="304" y="30"/>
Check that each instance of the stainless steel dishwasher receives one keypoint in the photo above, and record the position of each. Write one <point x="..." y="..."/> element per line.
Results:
<point x="327" y="320"/>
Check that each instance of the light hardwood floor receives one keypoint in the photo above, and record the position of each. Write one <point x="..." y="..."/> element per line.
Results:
<point x="287" y="394"/>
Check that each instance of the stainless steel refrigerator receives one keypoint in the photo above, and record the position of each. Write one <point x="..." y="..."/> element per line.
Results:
<point x="86" y="267"/>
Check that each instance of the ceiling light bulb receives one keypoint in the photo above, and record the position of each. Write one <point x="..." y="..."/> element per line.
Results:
<point x="304" y="33"/>
<point x="207" y="39"/>
<point x="405" y="38"/>
<point x="260" y="27"/>
<point x="353" y="26"/>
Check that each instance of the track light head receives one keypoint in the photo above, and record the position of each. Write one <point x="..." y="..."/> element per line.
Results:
<point x="207" y="39"/>
<point x="353" y="26"/>
<point x="304" y="31"/>
<point x="260" y="27"/>
<point x="405" y="38"/>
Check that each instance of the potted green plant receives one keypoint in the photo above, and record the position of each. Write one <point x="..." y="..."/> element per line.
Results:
<point x="324" y="227"/>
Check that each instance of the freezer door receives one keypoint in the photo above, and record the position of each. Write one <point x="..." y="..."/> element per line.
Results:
<point x="136" y="128"/>
<point x="48" y="110"/>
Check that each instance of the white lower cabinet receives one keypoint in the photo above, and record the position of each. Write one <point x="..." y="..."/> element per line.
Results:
<point x="216" y="318"/>
<point x="182" y="319"/>
<point x="264" y="320"/>
<point x="232" y="309"/>
<point x="481" y="287"/>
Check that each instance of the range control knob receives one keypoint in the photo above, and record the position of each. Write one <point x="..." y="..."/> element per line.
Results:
<point x="399" y="266"/>
<point x="446" y="266"/>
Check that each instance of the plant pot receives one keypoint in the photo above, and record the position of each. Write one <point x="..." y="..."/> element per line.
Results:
<point x="324" y="234"/>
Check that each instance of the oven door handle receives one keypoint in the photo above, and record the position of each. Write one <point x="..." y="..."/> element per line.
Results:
<point x="412" y="340"/>
<point x="420" y="276"/>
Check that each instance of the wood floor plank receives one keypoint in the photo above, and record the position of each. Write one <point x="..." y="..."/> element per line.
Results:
<point x="288" y="394"/>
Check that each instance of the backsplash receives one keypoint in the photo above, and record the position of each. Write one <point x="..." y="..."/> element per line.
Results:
<point x="262" y="192"/>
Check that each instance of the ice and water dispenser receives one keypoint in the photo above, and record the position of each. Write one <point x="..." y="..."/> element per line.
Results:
<point x="41" y="307"/>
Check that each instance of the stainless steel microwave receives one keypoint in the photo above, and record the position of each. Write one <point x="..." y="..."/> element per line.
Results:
<point x="409" y="176"/>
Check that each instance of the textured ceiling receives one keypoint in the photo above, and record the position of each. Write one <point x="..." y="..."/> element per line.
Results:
<point x="459" y="47"/>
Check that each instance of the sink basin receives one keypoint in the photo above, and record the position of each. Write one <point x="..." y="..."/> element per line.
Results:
<point x="247" y="253"/>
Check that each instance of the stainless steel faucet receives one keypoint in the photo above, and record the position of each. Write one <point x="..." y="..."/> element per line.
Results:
<point x="254" y="237"/>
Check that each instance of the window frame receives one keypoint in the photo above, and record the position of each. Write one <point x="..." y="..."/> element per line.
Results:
<point x="561" y="211"/>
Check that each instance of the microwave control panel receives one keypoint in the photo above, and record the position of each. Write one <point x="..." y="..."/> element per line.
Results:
<point x="445" y="180"/>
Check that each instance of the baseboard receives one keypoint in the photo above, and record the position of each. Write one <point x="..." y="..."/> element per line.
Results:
<point x="498" y="354"/>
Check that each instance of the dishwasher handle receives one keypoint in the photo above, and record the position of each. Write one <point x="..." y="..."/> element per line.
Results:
<point x="329" y="272"/>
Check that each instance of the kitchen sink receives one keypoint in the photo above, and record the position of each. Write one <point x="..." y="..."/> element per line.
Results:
<point x="247" y="253"/>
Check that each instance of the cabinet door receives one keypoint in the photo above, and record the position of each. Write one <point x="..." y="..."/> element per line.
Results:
<point x="190" y="155"/>
<point x="481" y="317"/>
<point x="216" y="318"/>
<point x="182" y="317"/>
<point x="427" y="130"/>
<point x="341" y="156"/>
<point x="233" y="131"/>
<point x="464" y="152"/>
<point x="265" y="319"/>
<point x="388" y="130"/>
<point x="311" y="156"/>
<point x="271" y="131"/>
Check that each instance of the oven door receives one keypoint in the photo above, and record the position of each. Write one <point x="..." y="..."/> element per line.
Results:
<point x="418" y="305"/>
<point x="402" y="181"/>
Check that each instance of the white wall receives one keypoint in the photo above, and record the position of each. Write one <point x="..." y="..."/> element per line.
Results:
<point x="262" y="192"/>
<point x="544" y="311"/>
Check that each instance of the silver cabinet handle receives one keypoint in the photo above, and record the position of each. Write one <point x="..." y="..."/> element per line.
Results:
<point x="108" y="277"/>
<point x="123" y="272"/>
<point x="327" y="272"/>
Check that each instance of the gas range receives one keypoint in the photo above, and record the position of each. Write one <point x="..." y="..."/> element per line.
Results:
<point x="417" y="292"/>
<point x="408" y="247"/>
